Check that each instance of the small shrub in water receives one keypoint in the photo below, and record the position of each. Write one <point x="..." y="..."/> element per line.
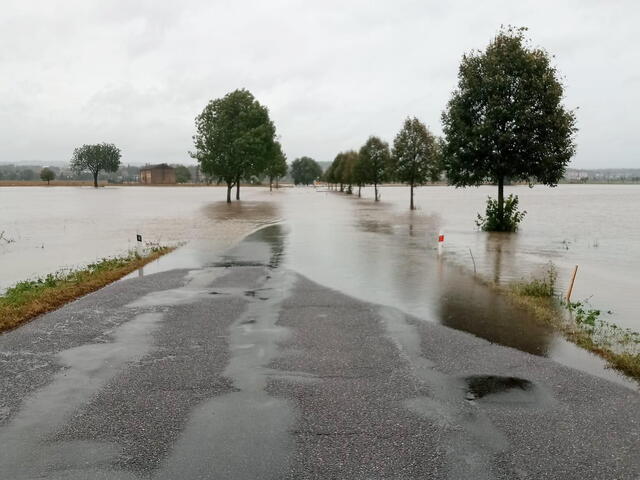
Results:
<point x="511" y="216"/>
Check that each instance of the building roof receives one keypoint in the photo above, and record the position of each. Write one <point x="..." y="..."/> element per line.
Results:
<point x="163" y="166"/>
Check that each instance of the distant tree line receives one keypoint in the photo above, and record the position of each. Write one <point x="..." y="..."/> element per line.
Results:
<point x="414" y="159"/>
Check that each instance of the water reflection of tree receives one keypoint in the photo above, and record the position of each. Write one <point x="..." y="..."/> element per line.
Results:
<point x="467" y="305"/>
<point x="243" y="211"/>
<point x="419" y="282"/>
<point x="502" y="247"/>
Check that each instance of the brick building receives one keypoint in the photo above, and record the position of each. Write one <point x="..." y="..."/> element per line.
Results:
<point x="161" y="174"/>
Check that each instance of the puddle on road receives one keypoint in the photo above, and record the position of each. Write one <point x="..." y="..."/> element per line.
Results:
<point x="481" y="386"/>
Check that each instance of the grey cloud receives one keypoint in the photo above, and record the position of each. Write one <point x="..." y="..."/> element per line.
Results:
<point x="332" y="73"/>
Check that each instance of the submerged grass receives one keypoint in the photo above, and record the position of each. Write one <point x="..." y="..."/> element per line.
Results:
<point x="578" y="322"/>
<point x="31" y="298"/>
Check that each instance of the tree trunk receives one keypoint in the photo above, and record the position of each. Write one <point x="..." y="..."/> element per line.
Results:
<point x="238" y="188"/>
<point x="277" y="183"/>
<point x="375" y="190"/>
<point x="411" y="207"/>
<point x="501" y="201"/>
<point x="359" y="192"/>
<point x="95" y="179"/>
<point x="229" y="187"/>
<point x="271" y="184"/>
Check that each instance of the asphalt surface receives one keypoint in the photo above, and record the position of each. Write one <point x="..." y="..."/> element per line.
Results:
<point x="244" y="370"/>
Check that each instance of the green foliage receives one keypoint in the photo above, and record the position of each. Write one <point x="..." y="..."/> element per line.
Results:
<point x="539" y="287"/>
<point x="305" y="171"/>
<point x="95" y="158"/>
<point x="343" y="170"/>
<point x="506" y="119"/>
<point x="416" y="158"/>
<point x="277" y="164"/>
<point x="374" y="159"/>
<point x="506" y="219"/>
<point x="603" y="333"/>
<point x="46" y="175"/>
<point x="582" y="314"/>
<point x="234" y="138"/>
<point x="183" y="175"/>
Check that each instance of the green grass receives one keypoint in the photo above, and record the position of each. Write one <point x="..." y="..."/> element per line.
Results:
<point x="30" y="298"/>
<point x="578" y="322"/>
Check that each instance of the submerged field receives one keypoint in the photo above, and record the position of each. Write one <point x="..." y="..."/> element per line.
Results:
<point x="379" y="252"/>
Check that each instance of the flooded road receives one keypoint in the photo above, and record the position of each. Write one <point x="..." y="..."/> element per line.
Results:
<point x="377" y="252"/>
<point x="243" y="368"/>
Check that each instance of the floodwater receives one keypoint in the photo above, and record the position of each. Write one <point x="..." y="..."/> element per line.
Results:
<point x="379" y="252"/>
<point x="58" y="228"/>
<point x="596" y="227"/>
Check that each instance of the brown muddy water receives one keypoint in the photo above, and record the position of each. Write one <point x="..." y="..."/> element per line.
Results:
<point x="379" y="252"/>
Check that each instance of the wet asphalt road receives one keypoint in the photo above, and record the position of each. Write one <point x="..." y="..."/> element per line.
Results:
<point x="245" y="370"/>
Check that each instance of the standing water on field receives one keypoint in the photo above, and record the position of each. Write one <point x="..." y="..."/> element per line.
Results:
<point x="377" y="251"/>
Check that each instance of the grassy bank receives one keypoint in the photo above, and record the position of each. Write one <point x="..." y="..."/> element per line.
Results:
<point x="578" y="323"/>
<point x="31" y="298"/>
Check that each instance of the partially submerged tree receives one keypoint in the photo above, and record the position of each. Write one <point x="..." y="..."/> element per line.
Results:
<point x="277" y="165"/>
<point x="46" y="175"/>
<point x="374" y="158"/>
<point x="506" y="121"/>
<point x="337" y="170"/>
<point x="234" y="139"/>
<point x="415" y="159"/>
<point x="305" y="171"/>
<point x="96" y="158"/>
<point x="350" y="161"/>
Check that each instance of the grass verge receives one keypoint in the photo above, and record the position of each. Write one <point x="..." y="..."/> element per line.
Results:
<point x="31" y="298"/>
<point x="620" y="347"/>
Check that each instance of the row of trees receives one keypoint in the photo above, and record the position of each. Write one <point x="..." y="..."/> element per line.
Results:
<point x="505" y="122"/>
<point x="415" y="159"/>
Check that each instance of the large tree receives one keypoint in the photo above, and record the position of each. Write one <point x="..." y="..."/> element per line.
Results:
<point x="305" y="170"/>
<point x="96" y="158"/>
<point x="506" y="121"/>
<point x="234" y="139"/>
<point x="277" y="165"/>
<point x="374" y="160"/>
<point x="415" y="158"/>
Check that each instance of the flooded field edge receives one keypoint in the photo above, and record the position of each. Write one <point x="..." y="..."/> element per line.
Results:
<point x="32" y="298"/>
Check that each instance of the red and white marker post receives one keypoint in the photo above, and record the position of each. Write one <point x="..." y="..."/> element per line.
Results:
<point x="440" y="242"/>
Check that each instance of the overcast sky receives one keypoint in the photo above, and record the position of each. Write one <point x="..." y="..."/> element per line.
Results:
<point x="136" y="73"/>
